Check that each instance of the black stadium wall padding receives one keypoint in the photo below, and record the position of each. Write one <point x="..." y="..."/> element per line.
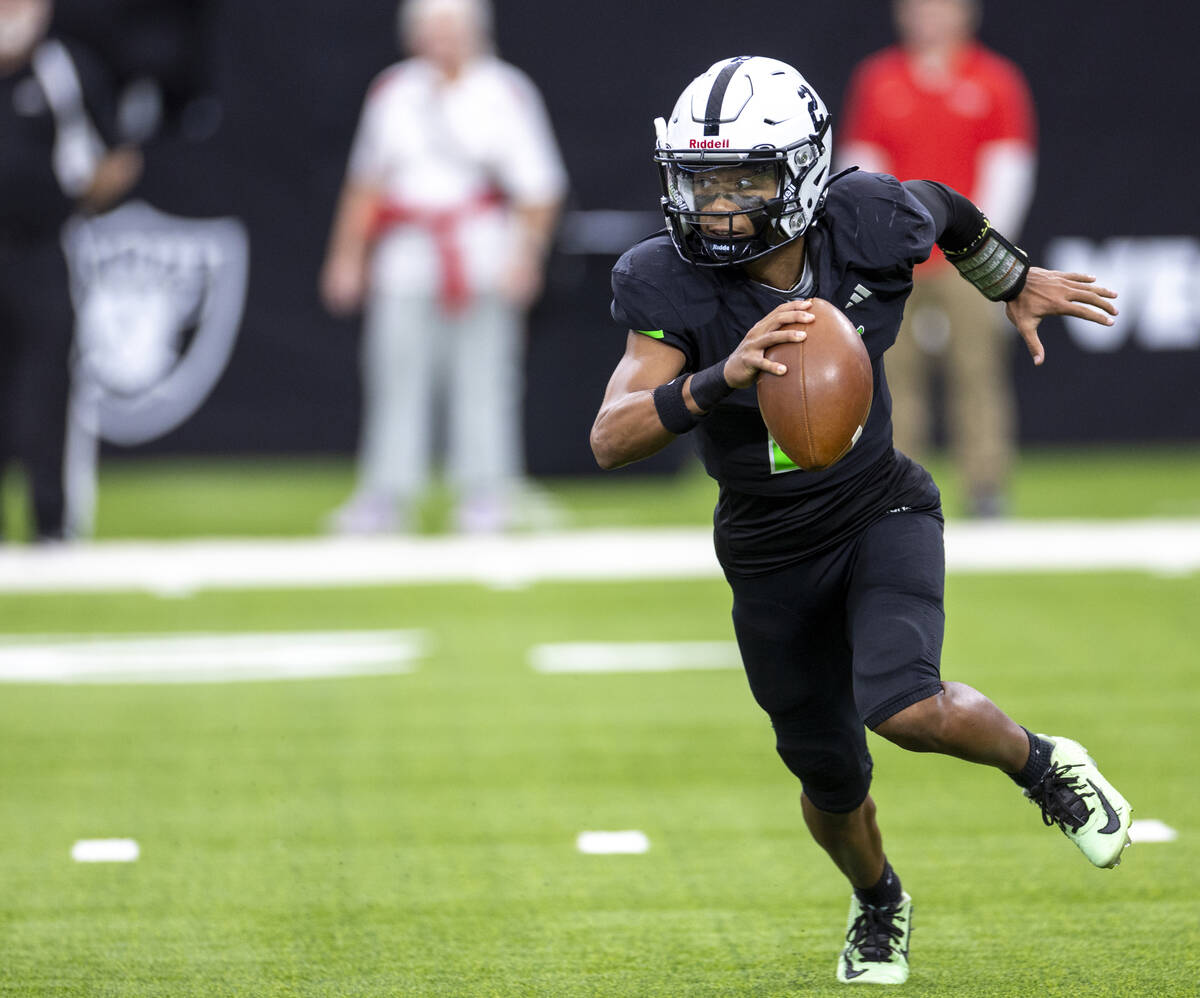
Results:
<point x="263" y="96"/>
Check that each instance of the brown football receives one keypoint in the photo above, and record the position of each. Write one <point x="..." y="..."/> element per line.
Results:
<point x="816" y="412"/>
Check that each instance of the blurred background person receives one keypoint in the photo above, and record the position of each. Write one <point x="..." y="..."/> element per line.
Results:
<point x="445" y="218"/>
<point x="940" y="104"/>
<point x="56" y="117"/>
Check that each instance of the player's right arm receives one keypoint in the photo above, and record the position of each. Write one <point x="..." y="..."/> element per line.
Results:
<point x="628" y="426"/>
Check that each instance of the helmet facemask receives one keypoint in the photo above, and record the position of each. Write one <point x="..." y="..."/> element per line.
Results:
<point x="736" y="205"/>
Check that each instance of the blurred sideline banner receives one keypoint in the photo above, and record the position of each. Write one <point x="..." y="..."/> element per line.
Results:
<point x="1114" y="197"/>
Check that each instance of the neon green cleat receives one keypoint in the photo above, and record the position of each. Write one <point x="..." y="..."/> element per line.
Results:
<point x="876" y="949"/>
<point x="1089" y="810"/>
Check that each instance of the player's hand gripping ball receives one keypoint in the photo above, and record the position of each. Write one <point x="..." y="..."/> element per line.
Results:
<point x="817" y="410"/>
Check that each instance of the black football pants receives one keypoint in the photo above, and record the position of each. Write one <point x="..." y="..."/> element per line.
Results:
<point x="843" y="639"/>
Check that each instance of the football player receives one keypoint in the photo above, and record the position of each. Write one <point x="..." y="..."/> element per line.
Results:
<point x="837" y="575"/>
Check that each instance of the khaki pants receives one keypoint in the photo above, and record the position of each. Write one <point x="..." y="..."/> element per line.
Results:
<point x="980" y="420"/>
<point x="419" y="363"/>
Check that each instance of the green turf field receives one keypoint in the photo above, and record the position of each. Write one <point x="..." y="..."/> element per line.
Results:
<point x="286" y="497"/>
<point x="415" y="834"/>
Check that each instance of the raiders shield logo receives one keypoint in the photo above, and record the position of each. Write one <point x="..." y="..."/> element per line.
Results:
<point x="158" y="302"/>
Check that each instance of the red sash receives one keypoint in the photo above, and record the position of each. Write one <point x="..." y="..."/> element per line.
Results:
<point x="442" y="224"/>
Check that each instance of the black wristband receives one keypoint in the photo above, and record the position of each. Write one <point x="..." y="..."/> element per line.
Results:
<point x="993" y="264"/>
<point x="709" y="386"/>
<point x="672" y="411"/>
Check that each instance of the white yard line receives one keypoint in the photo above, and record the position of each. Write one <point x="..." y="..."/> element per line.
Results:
<point x="186" y="566"/>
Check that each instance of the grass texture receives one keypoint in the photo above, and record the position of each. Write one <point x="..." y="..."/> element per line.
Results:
<point x="415" y="834"/>
<point x="163" y="498"/>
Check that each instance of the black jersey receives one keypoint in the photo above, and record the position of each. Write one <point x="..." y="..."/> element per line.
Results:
<point x="32" y="202"/>
<point x="861" y="252"/>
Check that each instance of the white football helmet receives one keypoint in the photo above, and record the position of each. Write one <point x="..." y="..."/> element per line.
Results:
<point x="752" y="136"/>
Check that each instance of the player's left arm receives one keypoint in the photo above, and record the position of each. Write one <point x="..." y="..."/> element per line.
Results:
<point x="1001" y="271"/>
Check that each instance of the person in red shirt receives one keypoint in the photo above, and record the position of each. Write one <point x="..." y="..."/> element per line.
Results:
<point x="940" y="104"/>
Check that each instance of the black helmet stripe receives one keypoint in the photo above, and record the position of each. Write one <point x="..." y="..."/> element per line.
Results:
<point x="716" y="96"/>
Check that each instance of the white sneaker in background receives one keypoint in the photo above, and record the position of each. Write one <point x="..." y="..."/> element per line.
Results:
<point x="483" y="515"/>
<point x="365" y="515"/>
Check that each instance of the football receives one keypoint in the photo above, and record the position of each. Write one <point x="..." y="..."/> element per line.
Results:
<point x="817" y="410"/>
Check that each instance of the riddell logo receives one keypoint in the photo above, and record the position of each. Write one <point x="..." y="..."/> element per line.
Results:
<point x="708" y="144"/>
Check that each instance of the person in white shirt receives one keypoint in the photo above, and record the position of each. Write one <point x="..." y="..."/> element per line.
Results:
<point x="452" y="192"/>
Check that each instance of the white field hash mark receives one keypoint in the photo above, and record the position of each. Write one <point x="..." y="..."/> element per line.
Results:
<point x="634" y="656"/>
<point x="1151" y="830"/>
<point x="105" y="851"/>
<point x="207" y="658"/>
<point x="628" y="842"/>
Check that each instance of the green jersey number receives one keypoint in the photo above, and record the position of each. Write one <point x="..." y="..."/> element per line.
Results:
<point x="780" y="462"/>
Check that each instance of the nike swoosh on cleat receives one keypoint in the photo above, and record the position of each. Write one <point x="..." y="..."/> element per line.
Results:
<point x="1114" y="820"/>
<point x="850" y="972"/>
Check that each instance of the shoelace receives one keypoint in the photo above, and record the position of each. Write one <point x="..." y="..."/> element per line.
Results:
<point x="1060" y="795"/>
<point x="873" y="932"/>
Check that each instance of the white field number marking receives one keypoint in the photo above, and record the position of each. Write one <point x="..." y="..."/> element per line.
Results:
<point x="207" y="658"/>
